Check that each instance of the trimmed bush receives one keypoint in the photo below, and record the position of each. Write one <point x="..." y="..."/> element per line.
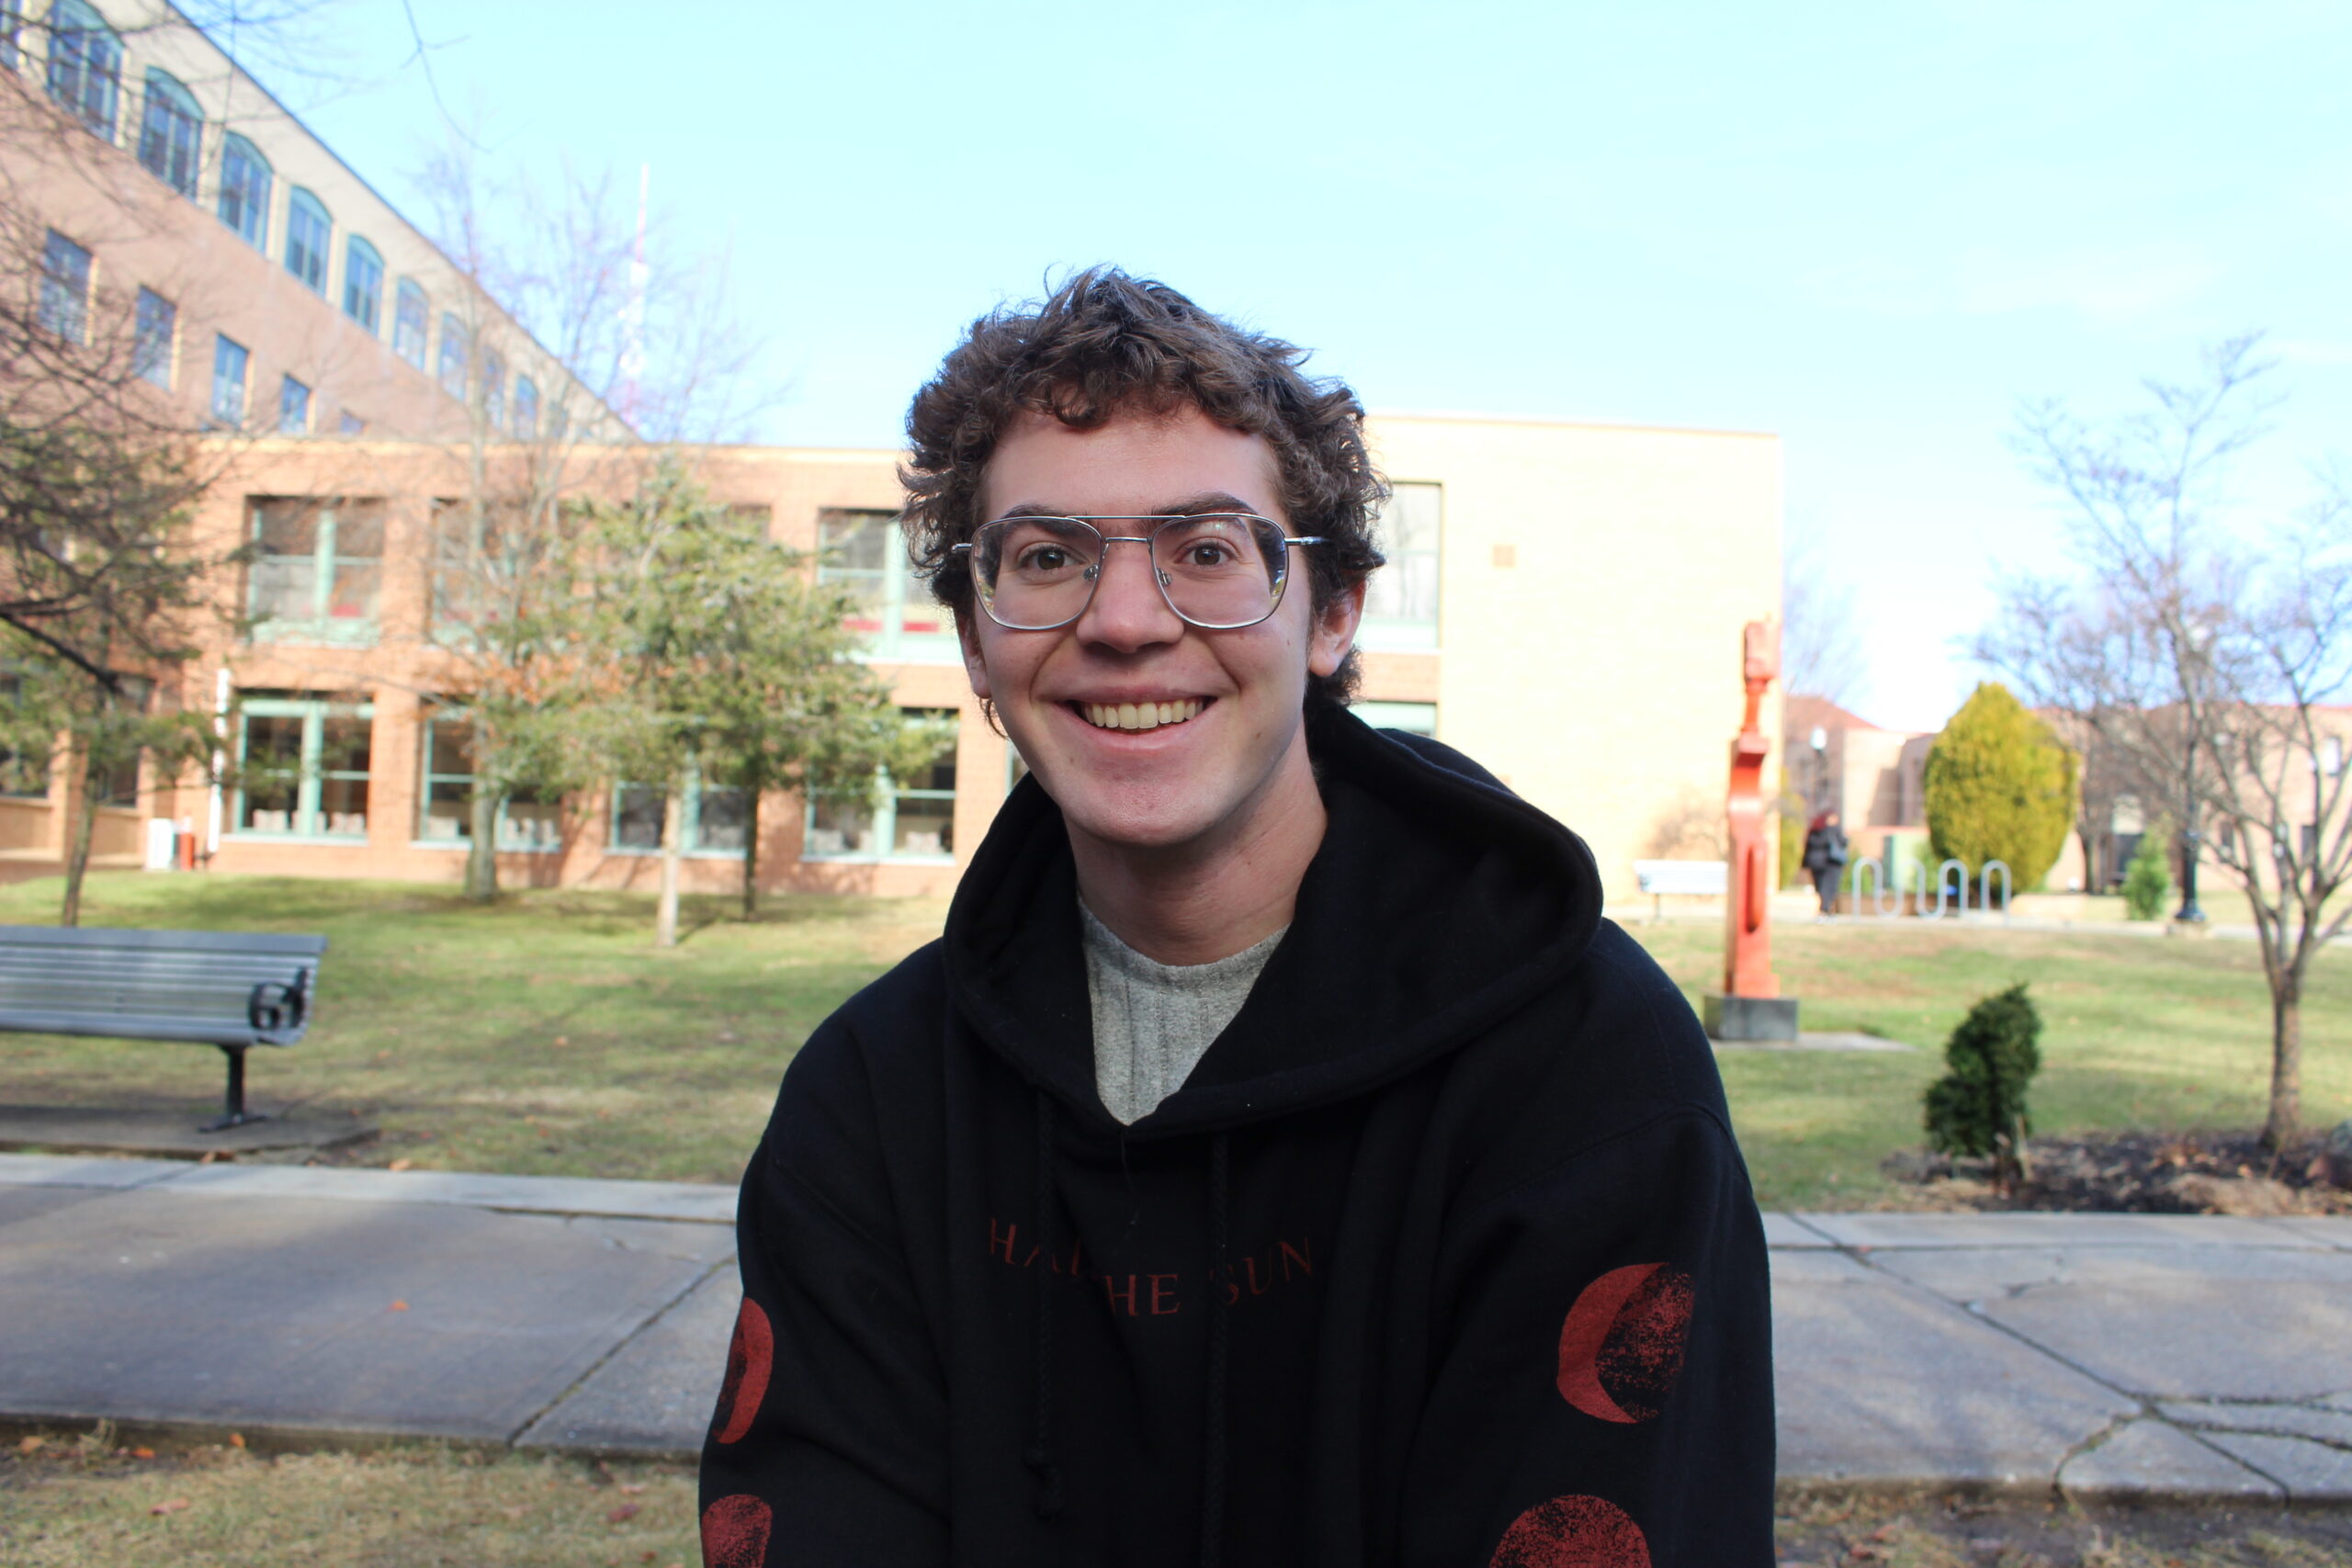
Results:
<point x="2147" y="880"/>
<point x="1978" y="1107"/>
<point x="1999" y="785"/>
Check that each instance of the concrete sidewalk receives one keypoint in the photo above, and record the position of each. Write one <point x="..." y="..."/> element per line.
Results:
<point x="2115" y="1354"/>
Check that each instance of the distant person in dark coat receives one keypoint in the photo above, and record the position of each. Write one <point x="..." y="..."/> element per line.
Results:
<point x="1825" y="856"/>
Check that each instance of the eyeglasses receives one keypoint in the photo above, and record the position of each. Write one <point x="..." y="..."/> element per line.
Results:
<point x="1218" y="570"/>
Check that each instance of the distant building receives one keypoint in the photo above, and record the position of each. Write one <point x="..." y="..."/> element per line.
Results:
<point x="1871" y="777"/>
<point x="1564" y="601"/>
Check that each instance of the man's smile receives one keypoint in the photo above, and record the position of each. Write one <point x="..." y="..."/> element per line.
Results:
<point x="1139" y="715"/>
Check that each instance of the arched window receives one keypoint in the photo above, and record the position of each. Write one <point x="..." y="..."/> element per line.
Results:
<point x="526" y="409"/>
<point x="308" y="231"/>
<point x="409" y="318"/>
<point x="170" y="132"/>
<point x="85" y="65"/>
<point x="363" y="283"/>
<point x="456" y="349"/>
<point x="245" y="189"/>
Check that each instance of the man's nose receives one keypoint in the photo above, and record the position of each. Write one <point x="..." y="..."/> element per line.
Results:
<point x="1128" y="610"/>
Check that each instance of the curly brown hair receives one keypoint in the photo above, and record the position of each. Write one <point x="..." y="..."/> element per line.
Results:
<point x="1106" y="343"/>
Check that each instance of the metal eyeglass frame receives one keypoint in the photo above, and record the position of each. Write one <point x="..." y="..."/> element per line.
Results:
<point x="1094" y="580"/>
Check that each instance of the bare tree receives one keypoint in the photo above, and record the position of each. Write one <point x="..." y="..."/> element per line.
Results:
<point x="1821" y="642"/>
<point x="2204" y="660"/>
<point x="558" y="288"/>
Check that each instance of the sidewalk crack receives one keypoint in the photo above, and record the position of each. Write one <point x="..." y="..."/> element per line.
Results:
<point x="626" y="1340"/>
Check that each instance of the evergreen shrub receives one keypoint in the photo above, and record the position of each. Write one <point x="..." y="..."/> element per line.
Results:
<point x="1999" y="785"/>
<point x="2147" y="880"/>
<point x="1978" y="1107"/>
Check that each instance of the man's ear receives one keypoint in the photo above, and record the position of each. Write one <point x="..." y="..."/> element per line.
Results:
<point x="976" y="668"/>
<point x="1334" y="632"/>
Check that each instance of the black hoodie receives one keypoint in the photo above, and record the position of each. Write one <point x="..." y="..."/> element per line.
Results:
<point x="1442" y="1257"/>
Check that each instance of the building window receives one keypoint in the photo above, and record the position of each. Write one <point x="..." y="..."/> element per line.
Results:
<point x="227" y="380"/>
<point x="526" y="409"/>
<point x="408" y="323"/>
<point x="293" y="407"/>
<point x="2331" y="755"/>
<point x="717" y="817"/>
<point x="1400" y="602"/>
<point x="454" y="352"/>
<point x="2309" y="835"/>
<point x="318" y="568"/>
<point x="891" y="819"/>
<point x="245" y="189"/>
<point x="860" y="553"/>
<point x="1413" y="718"/>
<point x="85" y="65"/>
<point x="64" y="288"/>
<point x="303" y="767"/>
<point x="170" y="132"/>
<point x="22" y="777"/>
<point x="309" y="231"/>
<point x="351" y="425"/>
<point x="12" y="32"/>
<point x="445" y="811"/>
<point x="363" y="283"/>
<point x="157" y="325"/>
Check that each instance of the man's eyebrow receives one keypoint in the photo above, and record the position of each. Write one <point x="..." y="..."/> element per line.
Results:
<point x="1192" y="506"/>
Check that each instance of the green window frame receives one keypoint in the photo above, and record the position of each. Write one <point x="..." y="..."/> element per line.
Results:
<point x="309" y="233"/>
<point x="911" y="822"/>
<point x="363" y="283"/>
<point x="860" y="551"/>
<point x="526" y="825"/>
<point x="246" y="179"/>
<point x="170" y="132"/>
<point x="157" y="329"/>
<point x="317" y="572"/>
<point x="84" y="66"/>
<point x="409" y="315"/>
<point x="302" y="768"/>
<point x="718" y="816"/>
<point x="1400" y="602"/>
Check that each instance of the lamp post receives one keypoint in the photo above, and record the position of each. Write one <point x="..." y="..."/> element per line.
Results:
<point x="1819" y="740"/>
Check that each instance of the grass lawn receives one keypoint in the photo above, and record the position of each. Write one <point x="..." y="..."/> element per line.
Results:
<point x="545" y="1035"/>
<point x="2138" y="1032"/>
<point x="72" y="1503"/>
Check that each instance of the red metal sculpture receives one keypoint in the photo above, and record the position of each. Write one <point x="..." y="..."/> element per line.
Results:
<point x="1749" y="1006"/>
<point x="1747" y="936"/>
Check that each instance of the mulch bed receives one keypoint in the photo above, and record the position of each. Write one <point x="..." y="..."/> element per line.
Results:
<point x="2137" y="1173"/>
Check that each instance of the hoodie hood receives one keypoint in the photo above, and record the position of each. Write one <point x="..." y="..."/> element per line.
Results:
<point x="1425" y="853"/>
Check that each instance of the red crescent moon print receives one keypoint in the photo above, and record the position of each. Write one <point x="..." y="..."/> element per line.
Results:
<point x="1620" y="1348"/>
<point x="735" y="1532"/>
<point x="750" y="1355"/>
<point x="1573" y="1532"/>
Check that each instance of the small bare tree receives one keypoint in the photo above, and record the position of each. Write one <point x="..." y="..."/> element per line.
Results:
<point x="558" y="286"/>
<point x="2201" y="660"/>
<point x="1821" y="642"/>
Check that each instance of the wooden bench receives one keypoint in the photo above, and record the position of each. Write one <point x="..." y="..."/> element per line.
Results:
<point x="1691" y="878"/>
<point x="233" y="989"/>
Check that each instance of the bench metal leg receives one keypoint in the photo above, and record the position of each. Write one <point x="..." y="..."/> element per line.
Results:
<point x="233" y="1112"/>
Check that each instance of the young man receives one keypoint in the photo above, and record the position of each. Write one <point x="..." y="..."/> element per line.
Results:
<point x="1278" y="1160"/>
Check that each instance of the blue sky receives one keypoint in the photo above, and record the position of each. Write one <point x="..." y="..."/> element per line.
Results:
<point x="1869" y="229"/>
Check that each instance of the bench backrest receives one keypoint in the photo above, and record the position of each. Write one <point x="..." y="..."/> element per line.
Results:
<point x="1707" y="878"/>
<point x="208" y="988"/>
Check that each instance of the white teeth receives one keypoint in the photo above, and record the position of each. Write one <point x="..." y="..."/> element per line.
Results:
<point x="1139" y="715"/>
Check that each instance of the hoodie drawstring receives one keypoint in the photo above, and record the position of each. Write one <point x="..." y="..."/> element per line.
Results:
<point x="1212" y="1435"/>
<point x="1039" y="1457"/>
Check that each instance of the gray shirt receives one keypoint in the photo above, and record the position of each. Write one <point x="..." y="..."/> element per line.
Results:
<point x="1154" y="1022"/>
